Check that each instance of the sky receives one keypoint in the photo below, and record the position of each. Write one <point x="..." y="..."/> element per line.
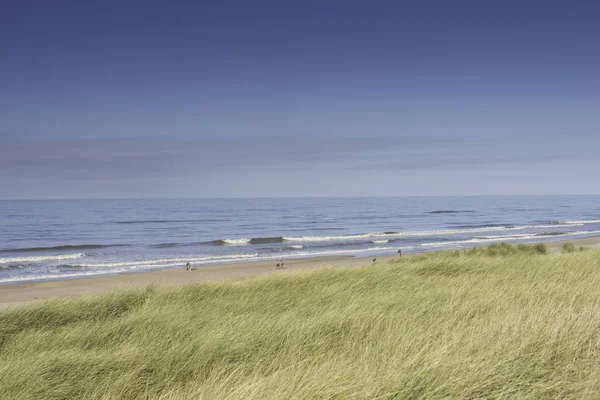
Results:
<point x="157" y="99"/>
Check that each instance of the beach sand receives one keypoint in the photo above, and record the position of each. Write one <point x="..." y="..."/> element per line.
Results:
<point x="12" y="295"/>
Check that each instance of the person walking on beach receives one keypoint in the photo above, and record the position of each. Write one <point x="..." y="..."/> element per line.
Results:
<point x="400" y="252"/>
<point x="281" y="263"/>
<point x="278" y="265"/>
<point x="188" y="266"/>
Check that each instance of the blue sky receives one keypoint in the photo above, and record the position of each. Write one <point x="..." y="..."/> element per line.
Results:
<point x="170" y="99"/>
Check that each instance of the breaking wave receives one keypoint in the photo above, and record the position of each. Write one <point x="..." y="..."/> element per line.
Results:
<point x="25" y="260"/>
<point x="167" y="262"/>
<point x="258" y="240"/>
<point x="65" y="247"/>
<point x="585" y="221"/>
<point x="389" y="236"/>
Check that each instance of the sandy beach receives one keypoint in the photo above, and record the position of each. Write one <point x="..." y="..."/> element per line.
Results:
<point x="12" y="295"/>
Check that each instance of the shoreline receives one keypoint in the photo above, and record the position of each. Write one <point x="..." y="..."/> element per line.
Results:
<point x="17" y="294"/>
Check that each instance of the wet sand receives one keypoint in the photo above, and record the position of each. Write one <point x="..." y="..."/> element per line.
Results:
<point x="21" y="293"/>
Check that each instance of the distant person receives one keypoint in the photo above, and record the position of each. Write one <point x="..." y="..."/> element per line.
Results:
<point x="400" y="252"/>
<point x="281" y="263"/>
<point x="188" y="266"/>
<point x="278" y="264"/>
<point x="375" y="260"/>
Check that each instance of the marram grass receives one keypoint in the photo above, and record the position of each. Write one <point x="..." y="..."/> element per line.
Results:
<point x="500" y="324"/>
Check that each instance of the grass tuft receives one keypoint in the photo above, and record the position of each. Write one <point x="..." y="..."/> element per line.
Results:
<point x="569" y="248"/>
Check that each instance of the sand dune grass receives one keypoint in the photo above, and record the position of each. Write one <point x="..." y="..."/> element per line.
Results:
<point x="468" y="324"/>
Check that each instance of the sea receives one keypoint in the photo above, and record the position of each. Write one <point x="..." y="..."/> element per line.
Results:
<point x="61" y="239"/>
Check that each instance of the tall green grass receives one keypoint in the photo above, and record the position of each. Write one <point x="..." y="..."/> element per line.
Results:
<point x="497" y="322"/>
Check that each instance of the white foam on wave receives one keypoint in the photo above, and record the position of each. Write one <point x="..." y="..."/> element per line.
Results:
<point x="171" y="261"/>
<point x="506" y="237"/>
<point x="380" y="241"/>
<point x="55" y="276"/>
<point x="95" y="269"/>
<point x="579" y="233"/>
<point x="583" y="221"/>
<point x="237" y="241"/>
<point x="422" y="233"/>
<point x="328" y="238"/>
<point x="297" y="246"/>
<point x="34" y="259"/>
<point x="378" y="236"/>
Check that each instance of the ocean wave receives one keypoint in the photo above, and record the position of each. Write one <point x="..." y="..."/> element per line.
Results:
<point x="585" y="221"/>
<point x="501" y="237"/>
<point x="523" y="235"/>
<point x="65" y="271"/>
<point x="537" y="224"/>
<point x="451" y="212"/>
<point x="476" y="226"/>
<point x="221" y="242"/>
<point x="12" y="266"/>
<point x="335" y="237"/>
<point x="167" y="261"/>
<point x="579" y="233"/>
<point x="165" y="245"/>
<point x="380" y="241"/>
<point x="54" y="275"/>
<point x="390" y="235"/>
<point x="577" y="222"/>
<point x="257" y="240"/>
<point x="152" y="221"/>
<point x="65" y="247"/>
<point x="25" y="260"/>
